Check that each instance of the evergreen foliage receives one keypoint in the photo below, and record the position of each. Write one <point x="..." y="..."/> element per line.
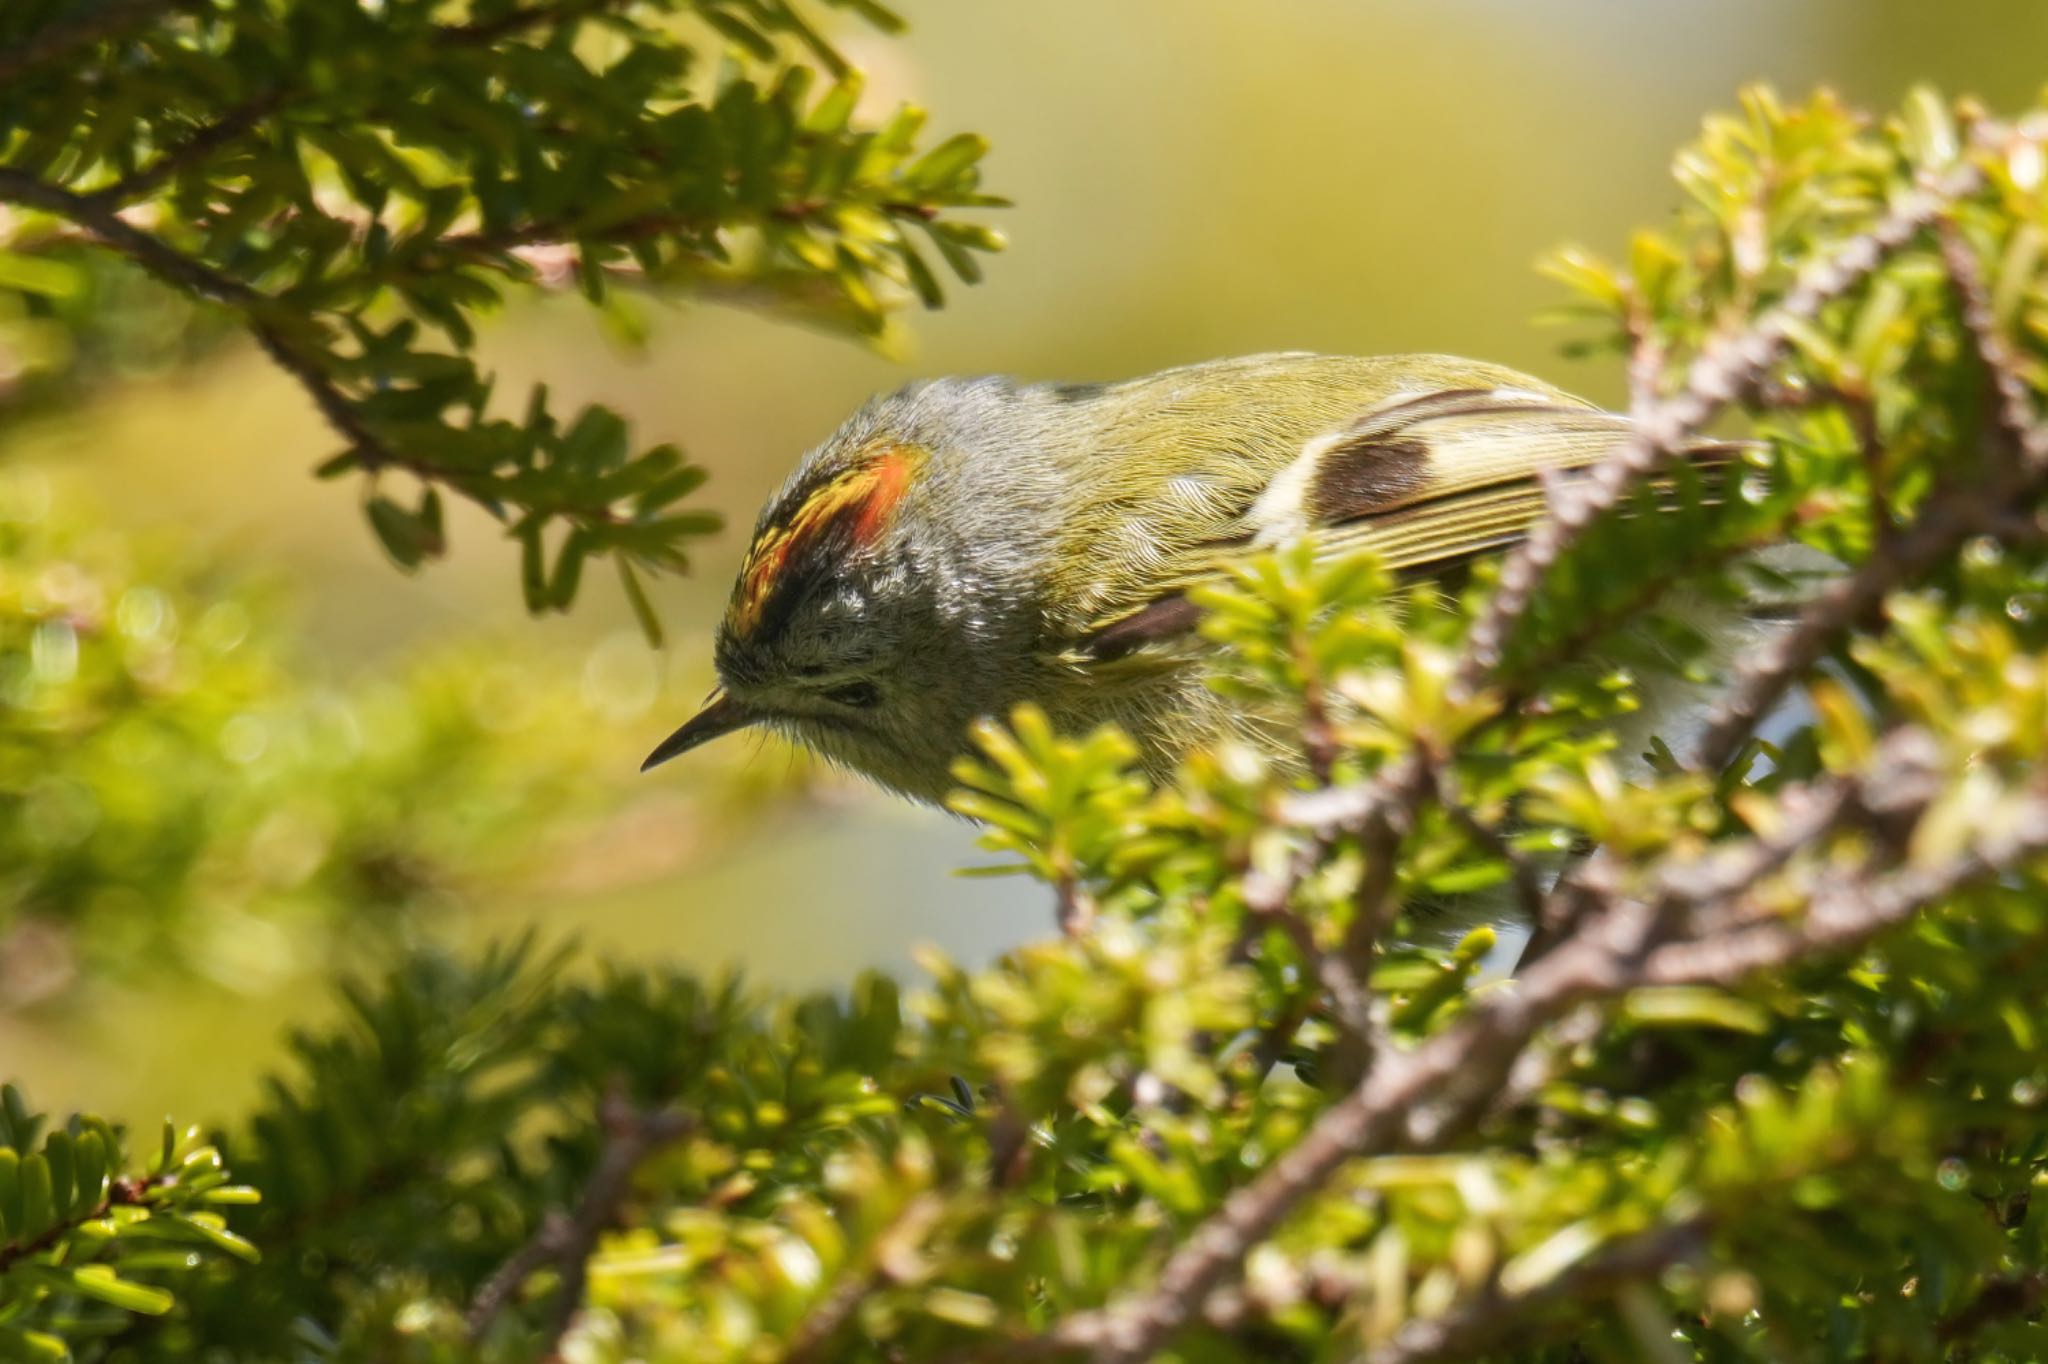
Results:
<point x="1768" y="1086"/>
<point x="354" y="184"/>
<point x="179" y="790"/>
<point x="85" y="1245"/>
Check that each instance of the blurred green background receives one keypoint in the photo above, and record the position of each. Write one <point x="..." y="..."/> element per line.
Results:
<point x="1192" y="178"/>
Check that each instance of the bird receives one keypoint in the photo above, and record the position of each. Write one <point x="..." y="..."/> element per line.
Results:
<point x="964" y="545"/>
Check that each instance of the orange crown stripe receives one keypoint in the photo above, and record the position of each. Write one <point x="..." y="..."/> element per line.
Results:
<point x="891" y="479"/>
<point x="862" y="498"/>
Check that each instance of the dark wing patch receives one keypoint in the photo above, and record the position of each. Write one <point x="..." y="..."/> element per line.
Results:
<point x="1359" y="477"/>
<point x="1166" y="618"/>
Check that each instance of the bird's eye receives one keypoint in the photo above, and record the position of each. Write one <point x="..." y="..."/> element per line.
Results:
<point x="858" y="695"/>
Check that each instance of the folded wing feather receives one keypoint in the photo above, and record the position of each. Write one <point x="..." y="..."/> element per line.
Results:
<point x="1427" y="482"/>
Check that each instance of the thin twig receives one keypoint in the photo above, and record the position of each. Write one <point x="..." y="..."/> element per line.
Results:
<point x="1380" y="832"/>
<point x="1422" y="1099"/>
<point x="1844" y="914"/>
<point x="1660" y="431"/>
<point x="1543" y="1061"/>
<point x="99" y="220"/>
<point x="101" y="23"/>
<point x="568" y="1240"/>
<point x="1269" y="900"/>
<point x="1278" y="1035"/>
<point x="121" y="1193"/>
<point x="1949" y="518"/>
<point x="146" y="250"/>
<point x="1903" y="770"/>
<point x="1074" y="906"/>
<point x="2019" y="1296"/>
<point x="1344" y="973"/>
<point x="1862" y="414"/>
<point x="194" y="148"/>
<point x="891" y="1261"/>
<point x="1327" y="1283"/>
<point x="1523" y="874"/>
<point x="2015" y="408"/>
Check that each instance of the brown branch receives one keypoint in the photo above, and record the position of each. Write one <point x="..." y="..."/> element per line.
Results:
<point x="541" y="236"/>
<point x="1901" y="780"/>
<point x="109" y="229"/>
<point x="1268" y="899"/>
<point x="1646" y="355"/>
<point x="2019" y="1296"/>
<point x="1386" y="1111"/>
<point x="1943" y="524"/>
<point x="1523" y="874"/>
<point x="1326" y="1284"/>
<point x="1659" y="432"/>
<point x="1074" y="907"/>
<point x="121" y="1193"/>
<point x="568" y="1240"/>
<point x="1278" y="1035"/>
<point x="1343" y="974"/>
<point x="194" y="148"/>
<point x="1845" y="914"/>
<point x="1380" y="831"/>
<point x="103" y="22"/>
<point x="1372" y="1117"/>
<point x="1423" y="1099"/>
<point x="1543" y="1061"/>
<point x="2015" y="410"/>
<point x="1860" y="411"/>
<point x="558" y="234"/>
<point x="97" y="218"/>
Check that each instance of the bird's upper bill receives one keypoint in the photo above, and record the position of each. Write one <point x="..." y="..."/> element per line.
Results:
<point x="720" y="715"/>
<point x="801" y="542"/>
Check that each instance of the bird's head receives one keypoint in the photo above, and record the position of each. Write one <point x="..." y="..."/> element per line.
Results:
<point x="871" y="621"/>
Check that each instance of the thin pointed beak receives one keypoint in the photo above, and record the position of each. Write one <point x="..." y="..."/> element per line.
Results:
<point x="721" y="715"/>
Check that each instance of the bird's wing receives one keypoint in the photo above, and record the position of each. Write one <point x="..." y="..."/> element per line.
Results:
<point x="1427" y="482"/>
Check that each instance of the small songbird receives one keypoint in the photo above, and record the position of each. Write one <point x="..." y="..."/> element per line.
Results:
<point x="963" y="545"/>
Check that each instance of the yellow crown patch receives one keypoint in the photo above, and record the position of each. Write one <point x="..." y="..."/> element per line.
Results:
<point x="840" y="515"/>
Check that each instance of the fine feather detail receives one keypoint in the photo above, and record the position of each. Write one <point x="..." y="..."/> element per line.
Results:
<point x="1427" y="481"/>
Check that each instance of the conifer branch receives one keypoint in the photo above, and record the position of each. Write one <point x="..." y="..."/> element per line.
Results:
<point x="1418" y="1100"/>
<point x="1423" y="1100"/>
<point x="567" y="1241"/>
